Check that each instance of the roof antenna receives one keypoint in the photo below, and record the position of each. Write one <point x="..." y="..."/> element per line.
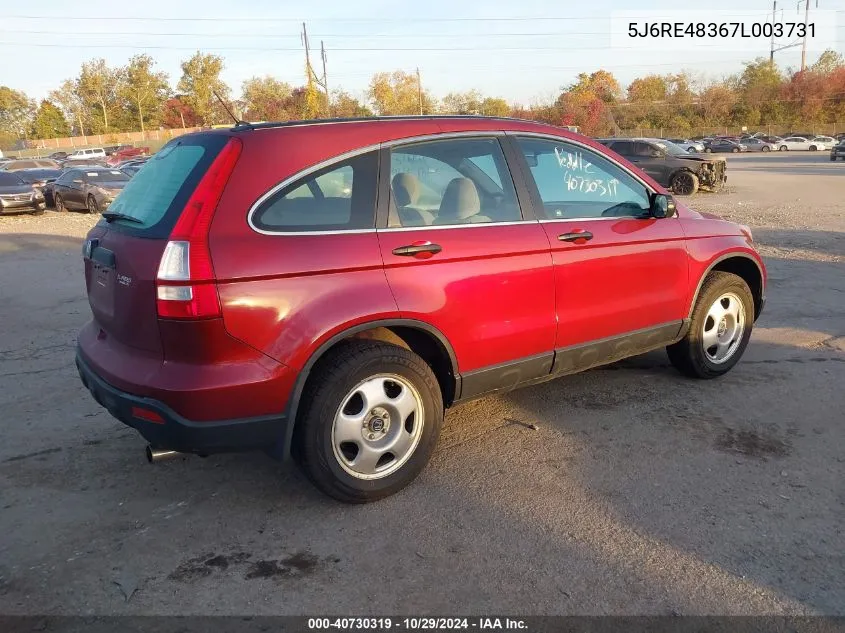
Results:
<point x="238" y="122"/>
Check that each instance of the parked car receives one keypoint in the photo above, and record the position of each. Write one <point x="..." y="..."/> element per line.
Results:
<point x="757" y="144"/>
<point x="29" y="163"/>
<point x="125" y="154"/>
<point x="130" y="168"/>
<point x="801" y="143"/>
<point x="58" y="155"/>
<point x="827" y="141"/>
<point x="838" y="151"/>
<point x="694" y="147"/>
<point x="17" y="195"/>
<point x="39" y="179"/>
<point x="670" y="165"/>
<point x="434" y="284"/>
<point x="92" y="189"/>
<point x="725" y="145"/>
<point x="87" y="154"/>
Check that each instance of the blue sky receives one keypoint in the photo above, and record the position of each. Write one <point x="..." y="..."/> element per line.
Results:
<point x="523" y="51"/>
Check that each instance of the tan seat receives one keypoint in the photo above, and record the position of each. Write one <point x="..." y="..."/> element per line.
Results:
<point x="406" y="191"/>
<point x="461" y="204"/>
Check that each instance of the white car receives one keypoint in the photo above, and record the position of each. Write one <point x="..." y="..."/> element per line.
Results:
<point x="693" y="147"/>
<point x="87" y="154"/>
<point x="802" y="143"/>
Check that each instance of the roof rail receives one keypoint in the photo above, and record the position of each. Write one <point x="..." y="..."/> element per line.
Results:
<point x="398" y="117"/>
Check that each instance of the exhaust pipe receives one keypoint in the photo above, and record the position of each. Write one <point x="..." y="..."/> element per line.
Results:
<point x="160" y="454"/>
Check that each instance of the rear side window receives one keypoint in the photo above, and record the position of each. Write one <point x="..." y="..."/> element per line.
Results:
<point x="625" y="148"/>
<point x="339" y="197"/>
<point x="158" y="193"/>
<point x="7" y="179"/>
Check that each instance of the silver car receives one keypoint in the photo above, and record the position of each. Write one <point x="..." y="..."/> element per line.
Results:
<point x="693" y="147"/>
<point x="758" y="145"/>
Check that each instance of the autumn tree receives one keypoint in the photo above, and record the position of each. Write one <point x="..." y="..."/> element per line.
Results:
<point x="49" y="122"/>
<point x="144" y="89"/>
<point x="16" y="113"/>
<point x="345" y="105"/>
<point x="399" y="93"/>
<point x="176" y="113"/>
<point x="200" y="80"/>
<point x="266" y="99"/>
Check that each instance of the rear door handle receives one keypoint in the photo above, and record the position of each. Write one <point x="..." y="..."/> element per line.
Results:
<point x="575" y="236"/>
<point x="420" y="250"/>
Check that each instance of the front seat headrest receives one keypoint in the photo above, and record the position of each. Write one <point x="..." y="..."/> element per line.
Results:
<point x="406" y="189"/>
<point x="460" y="200"/>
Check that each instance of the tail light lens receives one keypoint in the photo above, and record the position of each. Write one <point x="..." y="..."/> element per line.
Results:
<point x="185" y="285"/>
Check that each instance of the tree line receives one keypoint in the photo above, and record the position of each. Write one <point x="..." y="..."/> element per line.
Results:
<point x="103" y="99"/>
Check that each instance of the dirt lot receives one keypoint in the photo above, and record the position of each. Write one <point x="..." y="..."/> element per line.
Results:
<point x="641" y="492"/>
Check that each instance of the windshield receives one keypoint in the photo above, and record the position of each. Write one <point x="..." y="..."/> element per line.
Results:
<point x="671" y="148"/>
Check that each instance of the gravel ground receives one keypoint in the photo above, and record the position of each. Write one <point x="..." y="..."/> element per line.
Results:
<point x="640" y="492"/>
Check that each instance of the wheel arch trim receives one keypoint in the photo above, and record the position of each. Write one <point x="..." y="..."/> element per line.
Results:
<point x="716" y="262"/>
<point x="282" y="449"/>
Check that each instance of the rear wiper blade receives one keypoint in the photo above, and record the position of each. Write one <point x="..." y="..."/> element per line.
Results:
<point x="111" y="216"/>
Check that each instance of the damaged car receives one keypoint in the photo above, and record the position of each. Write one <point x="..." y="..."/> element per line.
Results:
<point x="672" y="166"/>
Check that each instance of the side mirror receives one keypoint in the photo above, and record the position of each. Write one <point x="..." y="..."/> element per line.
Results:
<point x="657" y="154"/>
<point x="662" y="206"/>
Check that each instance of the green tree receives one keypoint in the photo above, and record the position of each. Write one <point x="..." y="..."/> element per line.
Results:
<point x="16" y="113"/>
<point x="68" y="99"/>
<point x="462" y="102"/>
<point x="494" y="106"/>
<point x="97" y="86"/>
<point x="144" y="89"/>
<point x="200" y="80"/>
<point x="49" y="122"/>
<point x="266" y="99"/>
<point x="399" y="93"/>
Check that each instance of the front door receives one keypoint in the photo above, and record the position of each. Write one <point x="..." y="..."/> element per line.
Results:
<point x="459" y="255"/>
<point x="621" y="275"/>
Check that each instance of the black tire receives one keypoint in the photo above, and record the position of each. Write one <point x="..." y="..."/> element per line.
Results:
<point x="332" y="379"/>
<point x="60" y="203"/>
<point x="813" y="148"/>
<point x="707" y="150"/>
<point x="735" y="150"/>
<point x="766" y="148"/>
<point x="684" y="183"/>
<point x="91" y="205"/>
<point x="783" y="148"/>
<point x="688" y="355"/>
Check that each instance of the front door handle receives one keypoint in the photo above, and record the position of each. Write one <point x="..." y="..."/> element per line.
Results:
<point x="579" y="237"/>
<point x="420" y="250"/>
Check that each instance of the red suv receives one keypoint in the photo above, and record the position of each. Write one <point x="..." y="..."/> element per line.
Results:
<point x="328" y="288"/>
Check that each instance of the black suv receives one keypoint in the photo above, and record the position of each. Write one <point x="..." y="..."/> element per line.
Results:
<point x="670" y="165"/>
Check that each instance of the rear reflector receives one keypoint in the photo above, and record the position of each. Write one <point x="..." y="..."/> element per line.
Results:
<point x="146" y="414"/>
<point x="186" y="259"/>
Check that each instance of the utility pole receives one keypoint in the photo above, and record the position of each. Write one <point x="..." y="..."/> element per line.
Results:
<point x="309" y="69"/>
<point x="774" y="19"/>
<point x="804" y="44"/>
<point x="325" y="80"/>
<point x="419" y="90"/>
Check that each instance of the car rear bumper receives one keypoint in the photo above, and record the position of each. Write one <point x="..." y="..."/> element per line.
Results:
<point x="164" y="428"/>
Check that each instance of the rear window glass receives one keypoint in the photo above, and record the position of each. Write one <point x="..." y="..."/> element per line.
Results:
<point x="339" y="197"/>
<point x="157" y="194"/>
<point x="102" y="176"/>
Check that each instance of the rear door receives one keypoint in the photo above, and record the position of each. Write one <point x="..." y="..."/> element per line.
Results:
<point x="620" y="275"/>
<point x="71" y="189"/>
<point x="459" y="254"/>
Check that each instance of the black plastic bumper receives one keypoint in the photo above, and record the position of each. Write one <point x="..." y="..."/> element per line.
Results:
<point x="175" y="432"/>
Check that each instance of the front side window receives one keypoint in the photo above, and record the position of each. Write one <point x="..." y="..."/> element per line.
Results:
<point x="575" y="182"/>
<point x="339" y="197"/>
<point x="451" y="182"/>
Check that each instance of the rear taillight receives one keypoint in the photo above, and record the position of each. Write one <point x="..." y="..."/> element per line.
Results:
<point x="185" y="284"/>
